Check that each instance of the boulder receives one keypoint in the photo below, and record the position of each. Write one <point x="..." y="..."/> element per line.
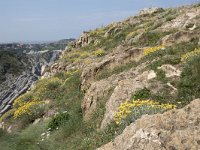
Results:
<point x="170" y="71"/>
<point x="173" y="130"/>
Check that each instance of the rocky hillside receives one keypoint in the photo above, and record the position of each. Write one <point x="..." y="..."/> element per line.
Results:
<point x="111" y="89"/>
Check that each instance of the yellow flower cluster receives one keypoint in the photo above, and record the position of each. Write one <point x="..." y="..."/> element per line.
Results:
<point x="126" y="108"/>
<point x="19" y="102"/>
<point x="150" y="50"/>
<point x="27" y="109"/>
<point x="189" y="55"/>
<point x="100" y="52"/>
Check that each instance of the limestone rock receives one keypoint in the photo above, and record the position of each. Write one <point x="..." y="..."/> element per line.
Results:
<point x="175" y="129"/>
<point x="112" y="31"/>
<point x="120" y="56"/>
<point x="188" y="16"/>
<point x="151" y="75"/>
<point x="124" y="89"/>
<point x="84" y="39"/>
<point x="100" y="89"/>
<point x="178" y="37"/>
<point x="170" y="70"/>
<point x="150" y="11"/>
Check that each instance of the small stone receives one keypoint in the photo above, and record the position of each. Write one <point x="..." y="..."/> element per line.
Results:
<point x="151" y="75"/>
<point x="43" y="134"/>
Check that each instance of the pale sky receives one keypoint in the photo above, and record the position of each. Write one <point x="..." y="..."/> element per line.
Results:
<point x="44" y="20"/>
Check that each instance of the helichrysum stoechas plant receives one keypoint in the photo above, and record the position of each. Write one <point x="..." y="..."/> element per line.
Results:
<point x="28" y="109"/>
<point x="150" y="50"/>
<point x="100" y="52"/>
<point x="189" y="55"/>
<point x="129" y="111"/>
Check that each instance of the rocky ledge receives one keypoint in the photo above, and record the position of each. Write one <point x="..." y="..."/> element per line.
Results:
<point x="173" y="130"/>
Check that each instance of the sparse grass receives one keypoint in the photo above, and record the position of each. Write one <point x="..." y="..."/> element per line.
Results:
<point x="151" y="38"/>
<point x="109" y="72"/>
<point x="73" y="133"/>
<point x="189" y="87"/>
<point x="162" y="96"/>
<point x="142" y="94"/>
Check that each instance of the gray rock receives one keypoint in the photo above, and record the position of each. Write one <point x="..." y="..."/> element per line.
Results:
<point x="15" y="85"/>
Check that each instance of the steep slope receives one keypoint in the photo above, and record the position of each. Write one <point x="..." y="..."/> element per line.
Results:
<point x="110" y="77"/>
<point x="19" y="71"/>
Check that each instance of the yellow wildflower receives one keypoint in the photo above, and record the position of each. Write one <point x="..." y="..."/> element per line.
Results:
<point x="189" y="55"/>
<point x="125" y="109"/>
<point x="150" y="50"/>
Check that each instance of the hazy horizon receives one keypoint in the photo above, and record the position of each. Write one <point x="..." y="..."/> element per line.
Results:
<point x="50" y="20"/>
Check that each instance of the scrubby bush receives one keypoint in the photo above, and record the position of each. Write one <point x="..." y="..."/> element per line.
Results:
<point x="21" y="100"/>
<point x="30" y="110"/>
<point x="150" y="50"/>
<point x="1" y="132"/>
<point x="100" y="53"/>
<point x="58" y="120"/>
<point x="129" y="111"/>
<point x="189" y="55"/>
<point x="189" y="87"/>
<point x="142" y="94"/>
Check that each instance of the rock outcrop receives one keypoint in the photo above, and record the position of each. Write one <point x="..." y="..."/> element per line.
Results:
<point x="150" y="11"/>
<point x="173" y="130"/>
<point x="187" y="19"/>
<point x="84" y="39"/>
<point x="120" y="56"/>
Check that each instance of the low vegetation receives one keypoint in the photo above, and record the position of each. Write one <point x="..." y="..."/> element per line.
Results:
<point x="129" y="111"/>
<point x="50" y="116"/>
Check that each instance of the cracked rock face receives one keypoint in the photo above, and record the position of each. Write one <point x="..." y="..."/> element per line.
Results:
<point x="174" y="130"/>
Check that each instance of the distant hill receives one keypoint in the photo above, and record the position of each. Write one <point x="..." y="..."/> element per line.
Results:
<point x="51" y="45"/>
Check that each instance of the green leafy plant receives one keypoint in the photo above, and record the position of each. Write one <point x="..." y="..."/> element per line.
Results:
<point x="142" y="94"/>
<point x="58" y="120"/>
<point x="189" y="88"/>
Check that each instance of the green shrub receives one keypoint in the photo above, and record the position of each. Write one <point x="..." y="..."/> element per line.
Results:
<point x="1" y="132"/>
<point x="161" y="75"/>
<point x="58" y="120"/>
<point x="142" y="94"/>
<point x="189" y="87"/>
<point x="100" y="53"/>
<point x="151" y="38"/>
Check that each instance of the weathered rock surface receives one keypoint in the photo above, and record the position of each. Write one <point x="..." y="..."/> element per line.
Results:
<point x="124" y="90"/>
<point x="150" y="11"/>
<point x="119" y="57"/>
<point x="178" y="37"/>
<point x="101" y="88"/>
<point x="174" y="130"/>
<point x="170" y="71"/>
<point x="186" y="20"/>
<point x="84" y="39"/>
